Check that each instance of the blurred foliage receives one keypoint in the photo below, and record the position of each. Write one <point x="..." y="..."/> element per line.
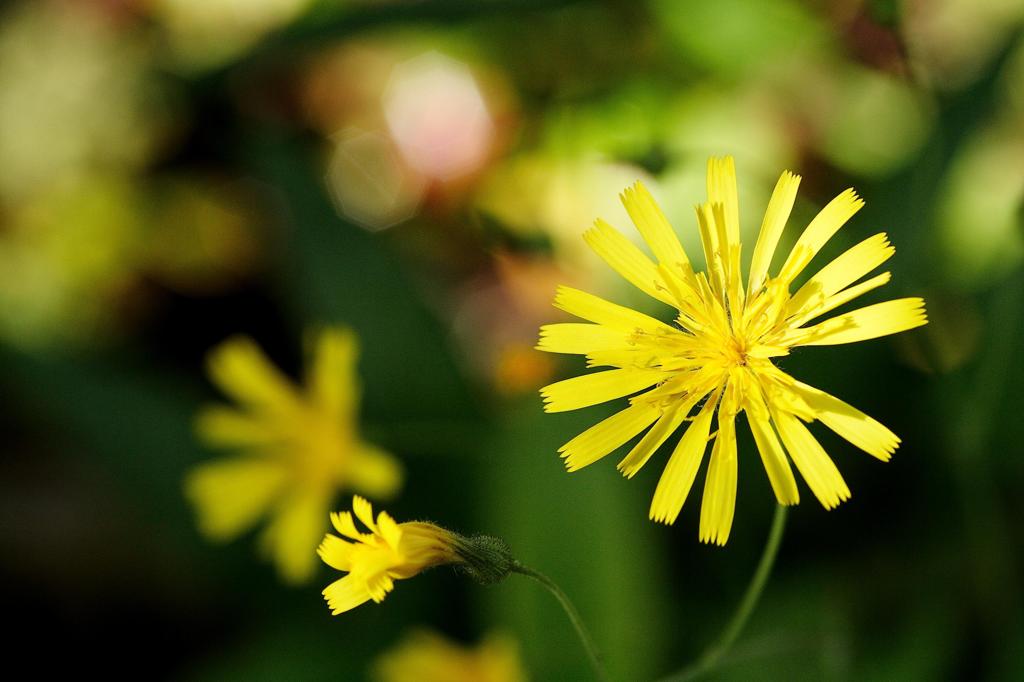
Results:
<point x="168" y="182"/>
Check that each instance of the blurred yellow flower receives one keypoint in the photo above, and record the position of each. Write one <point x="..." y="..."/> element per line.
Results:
<point x="718" y="355"/>
<point x="390" y="551"/>
<point x="428" y="657"/>
<point x="299" y="447"/>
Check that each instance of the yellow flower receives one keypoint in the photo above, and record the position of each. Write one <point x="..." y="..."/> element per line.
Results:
<point x="427" y="657"/>
<point x="717" y="357"/>
<point x="390" y="551"/>
<point x="299" y="447"/>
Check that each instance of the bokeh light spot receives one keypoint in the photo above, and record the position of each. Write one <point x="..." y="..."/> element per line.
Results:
<point x="368" y="182"/>
<point x="437" y="116"/>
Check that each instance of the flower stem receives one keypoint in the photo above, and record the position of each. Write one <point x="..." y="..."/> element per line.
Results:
<point x="713" y="654"/>
<point x="574" y="617"/>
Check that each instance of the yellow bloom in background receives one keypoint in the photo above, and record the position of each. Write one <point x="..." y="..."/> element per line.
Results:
<point x="298" y="447"/>
<point x="428" y="657"/>
<point x="390" y="551"/>
<point x="716" y="360"/>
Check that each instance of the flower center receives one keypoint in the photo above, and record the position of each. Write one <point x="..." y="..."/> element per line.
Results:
<point x="321" y="445"/>
<point x="734" y="352"/>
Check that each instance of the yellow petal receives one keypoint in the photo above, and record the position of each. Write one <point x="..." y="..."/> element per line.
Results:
<point x="843" y="297"/>
<point x="810" y="458"/>
<point x="343" y="523"/>
<point x="294" y="533"/>
<point x="873" y="321"/>
<point x="345" y="594"/>
<point x="379" y="584"/>
<point x="867" y="434"/>
<point x="374" y="471"/>
<point x="721" y="183"/>
<point x="241" y="370"/>
<point x="819" y="231"/>
<point x="332" y="377"/>
<point x="849" y="267"/>
<point x="652" y="440"/>
<point x="709" y="239"/>
<point x="599" y="387"/>
<point x="335" y="552"/>
<point x="682" y="286"/>
<point x="641" y="357"/>
<point x="780" y="474"/>
<point x="580" y="339"/>
<point x="626" y="259"/>
<point x="677" y="479"/>
<point x="389" y="530"/>
<point x="228" y="427"/>
<point x="775" y="217"/>
<point x="363" y="510"/>
<point x="653" y="226"/>
<point x="608" y="435"/>
<point x="596" y="309"/>
<point x="231" y="495"/>
<point x="733" y="276"/>
<point x="719" y="503"/>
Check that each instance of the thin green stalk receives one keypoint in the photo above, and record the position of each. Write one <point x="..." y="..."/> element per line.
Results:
<point x="574" y="617"/>
<point x="714" y="653"/>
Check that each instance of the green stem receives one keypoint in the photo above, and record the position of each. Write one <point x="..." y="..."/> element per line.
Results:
<point x="574" y="616"/>
<point x="713" y="654"/>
